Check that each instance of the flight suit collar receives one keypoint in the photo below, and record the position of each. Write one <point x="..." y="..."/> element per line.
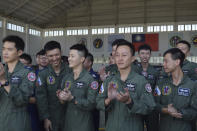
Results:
<point x="185" y="62"/>
<point x="131" y="75"/>
<point x="16" y="68"/>
<point x="62" y="67"/>
<point x="182" y="81"/>
<point x="81" y="74"/>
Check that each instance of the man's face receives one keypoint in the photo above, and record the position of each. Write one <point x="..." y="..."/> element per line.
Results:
<point x="43" y="60"/>
<point x="169" y="64"/>
<point x="87" y="63"/>
<point x="38" y="60"/>
<point x="114" y="50"/>
<point x="144" y="56"/>
<point x="9" y="52"/>
<point x="75" y="59"/>
<point x="123" y="57"/>
<point x="184" y="48"/>
<point x="54" y="57"/>
<point x="25" y="62"/>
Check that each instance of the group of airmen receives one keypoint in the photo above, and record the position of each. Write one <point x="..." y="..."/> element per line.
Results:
<point x="58" y="95"/>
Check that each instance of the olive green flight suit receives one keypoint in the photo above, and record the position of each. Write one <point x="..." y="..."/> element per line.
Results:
<point x="122" y="117"/>
<point x="151" y="75"/>
<point x="79" y="117"/>
<point x="190" y="69"/>
<point x="49" y="106"/>
<point x="183" y="97"/>
<point x="13" y="105"/>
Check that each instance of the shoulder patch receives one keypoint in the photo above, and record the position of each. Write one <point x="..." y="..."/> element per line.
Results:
<point x="157" y="91"/>
<point x="148" y="88"/>
<point x="94" y="85"/>
<point x="31" y="76"/>
<point x="101" y="89"/>
<point x="38" y="82"/>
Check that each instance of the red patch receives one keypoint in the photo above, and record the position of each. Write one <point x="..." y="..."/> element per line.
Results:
<point x="31" y="76"/>
<point x="94" y="85"/>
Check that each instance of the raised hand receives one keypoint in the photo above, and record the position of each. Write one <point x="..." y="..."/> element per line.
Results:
<point x="124" y="97"/>
<point x="112" y="91"/>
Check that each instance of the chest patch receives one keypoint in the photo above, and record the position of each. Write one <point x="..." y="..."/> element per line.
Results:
<point x="185" y="71"/>
<point x="130" y="86"/>
<point x="151" y="77"/>
<point x="79" y="84"/>
<point x="15" y="80"/>
<point x="113" y="84"/>
<point x="166" y="90"/>
<point x="50" y="80"/>
<point x="144" y="73"/>
<point x="183" y="91"/>
<point x="67" y="85"/>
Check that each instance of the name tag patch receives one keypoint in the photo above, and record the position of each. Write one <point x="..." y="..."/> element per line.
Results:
<point x="183" y="91"/>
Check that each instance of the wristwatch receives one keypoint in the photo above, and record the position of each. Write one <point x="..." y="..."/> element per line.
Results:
<point x="5" y="84"/>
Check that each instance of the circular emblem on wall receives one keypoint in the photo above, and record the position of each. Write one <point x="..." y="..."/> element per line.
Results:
<point x="83" y="41"/>
<point x="194" y="40"/>
<point x="98" y="43"/>
<point x="174" y="40"/>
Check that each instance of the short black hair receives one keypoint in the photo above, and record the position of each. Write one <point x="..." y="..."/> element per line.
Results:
<point x="26" y="57"/>
<point x="117" y="41"/>
<point x="144" y="47"/>
<point x="65" y="59"/>
<point x="41" y="52"/>
<point x="19" y="43"/>
<point x="81" y="48"/>
<point x="184" y="42"/>
<point x="52" y="45"/>
<point x="176" y="54"/>
<point x="90" y="58"/>
<point x="126" y="43"/>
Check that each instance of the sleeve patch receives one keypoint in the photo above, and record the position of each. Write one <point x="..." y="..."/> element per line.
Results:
<point x="94" y="85"/>
<point x="38" y="82"/>
<point x="157" y="91"/>
<point x="31" y="76"/>
<point x="148" y="88"/>
<point x="101" y="89"/>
